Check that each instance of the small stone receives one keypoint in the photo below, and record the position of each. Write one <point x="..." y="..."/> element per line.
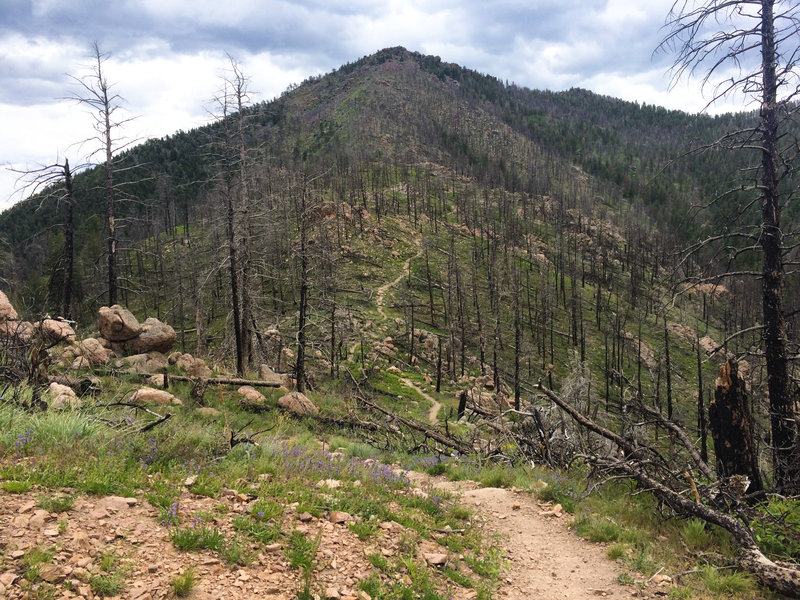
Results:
<point x="17" y="554"/>
<point x="8" y="578"/>
<point x="27" y="507"/>
<point x="337" y="516"/>
<point x="516" y="506"/>
<point x="81" y="540"/>
<point x="305" y="517"/>
<point x="332" y="593"/>
<point x="362" y="595"/>
<point x="190" y="481"/>
<point x="330" y="483"/>
<point x="51" y="532"/>
<point x="51" y="574"/>
<point x="435" y="559"/>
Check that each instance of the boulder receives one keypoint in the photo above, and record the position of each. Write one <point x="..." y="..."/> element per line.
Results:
<point x="62" y="396"/>
<point x="155" y="336"/>
<point x="80" y="363"/>
<point x="287" y="359"/>
<point x="265" y="373"/>
<point x="298" y="403"/>
<point x="7" y="312"/>
<point x="251" y="394"/>
<point x="20" y="329"/>
<point x="94" y="351"/>
<point x="56" y="330"/>
<point x="147" y="395"/>
<point x="144" y="364"/>
<point x="117" y="324"/>
<point x="194" y="367"/>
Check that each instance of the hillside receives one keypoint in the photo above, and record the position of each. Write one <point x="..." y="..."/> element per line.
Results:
<point x="436" y="258"/>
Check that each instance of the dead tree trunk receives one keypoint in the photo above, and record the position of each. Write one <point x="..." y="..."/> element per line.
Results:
<point x="732" y="428"/>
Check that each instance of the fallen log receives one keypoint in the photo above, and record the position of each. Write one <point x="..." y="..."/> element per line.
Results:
<point x="227" y="381"/>
<point x="779" y="576"/>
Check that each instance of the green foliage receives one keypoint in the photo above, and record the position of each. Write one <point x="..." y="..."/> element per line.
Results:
<point x="106" y="585"/>
<point x="378" y="561"/>
<point x="625" y="579"/>
<point x="300" y="551"/>
<point x="206" y="485"/>
<point x="16" y="487"/>
<point x="55" y="503"/>
<point x="259" y="530"/>
<point x="33" y="561"/>
<point x="722" y="583"/>
<point x="183" y="583"/>
<point x="110" y="580"/>
<point x="597" y="530"/>
<point x="696" y="534"/>
<point x="777" y="526"/>
<point x="497" y="476"/>
<point x="364" y="529"/>
<point x="235" y="552"/>
<point x="616" y="551"/>
<point x="201" y="537"/>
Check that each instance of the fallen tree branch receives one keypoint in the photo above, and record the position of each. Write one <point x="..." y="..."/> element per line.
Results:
<point x="445" y="440"/>
<point x="227" y="381"/>
<point x="779" y="576"/>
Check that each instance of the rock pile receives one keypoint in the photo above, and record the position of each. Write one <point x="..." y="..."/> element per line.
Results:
<point x="127" y="337"/>
<point x="52" y="330"/>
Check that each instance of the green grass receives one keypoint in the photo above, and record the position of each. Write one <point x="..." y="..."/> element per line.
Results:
<point x="696" y="534"/>
<point x="300" y="551"/>
<point x="110" y="581"/>
<point x="236" y="552"/>
<point x="192" y="539"/>
<point x="16" y="487"/>
<point x="378" y="561"/>
<point x="183" y="583"/>
<point x="259" y="531"/>
<point x="34" y="560"/>
<point x="364" y="529"/>
<point x="598" y="530"/>
<point x="55" y="503"/>
<point x="106" y="585"/>
<point x="721" y="583"/>
<point x="616" y="551"/>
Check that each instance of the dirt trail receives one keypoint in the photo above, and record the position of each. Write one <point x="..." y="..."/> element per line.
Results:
<point x="435" y="404"/>
<point x="546" y="560"/>
<point x="380" y="293"/>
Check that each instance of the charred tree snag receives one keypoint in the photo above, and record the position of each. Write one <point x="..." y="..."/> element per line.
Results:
<point x="732" y="428"/>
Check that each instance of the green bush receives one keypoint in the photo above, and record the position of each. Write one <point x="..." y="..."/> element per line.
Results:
<point x="777" y="528"/>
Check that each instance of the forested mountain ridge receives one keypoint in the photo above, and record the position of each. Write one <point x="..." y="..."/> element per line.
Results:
<point x="583" y="182"/>
<point x="400" y="106"/>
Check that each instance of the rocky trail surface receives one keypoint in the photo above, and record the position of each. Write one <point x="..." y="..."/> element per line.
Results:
<point x="544" y="559"/>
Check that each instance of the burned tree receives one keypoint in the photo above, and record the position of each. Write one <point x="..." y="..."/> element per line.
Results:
<point x="749" y="48"/>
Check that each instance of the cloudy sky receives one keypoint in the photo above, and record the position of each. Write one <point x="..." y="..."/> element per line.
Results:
<point x="167" y="56"/>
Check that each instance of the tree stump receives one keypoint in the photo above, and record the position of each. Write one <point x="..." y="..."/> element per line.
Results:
<point x="732" y="428"/>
